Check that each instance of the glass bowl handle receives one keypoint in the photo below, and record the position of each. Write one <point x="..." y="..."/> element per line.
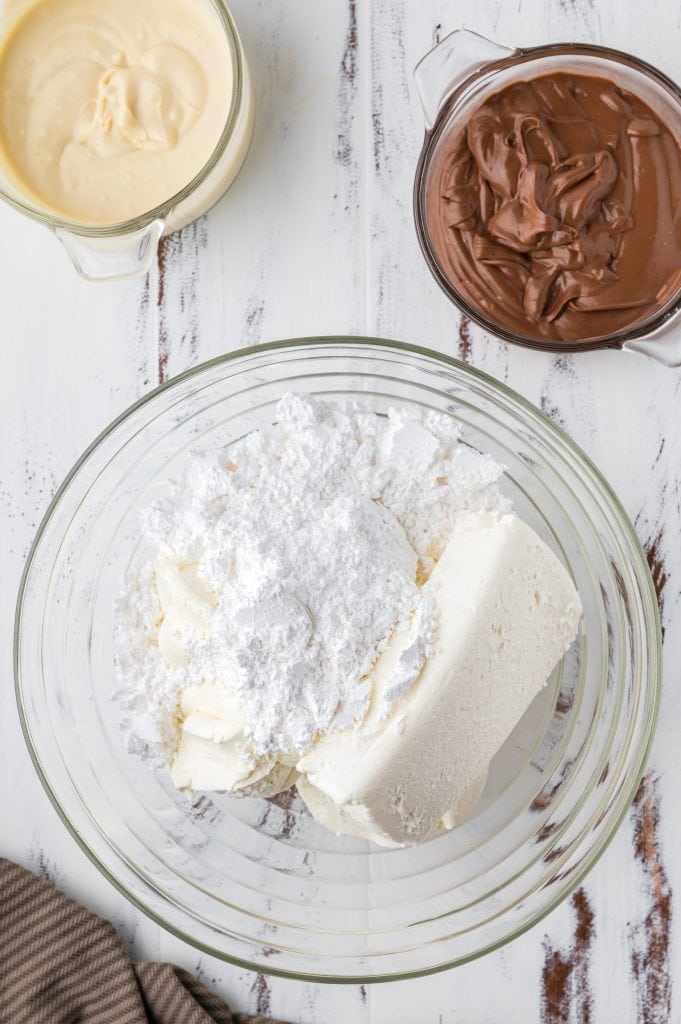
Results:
<point x="112" y="257"/>
<point x="449" y="64"/>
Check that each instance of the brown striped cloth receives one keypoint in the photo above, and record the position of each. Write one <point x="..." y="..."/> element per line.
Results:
<point x="62" y="964"/>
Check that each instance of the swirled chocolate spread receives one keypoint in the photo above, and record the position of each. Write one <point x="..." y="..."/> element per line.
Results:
<point x="557" y="212"/>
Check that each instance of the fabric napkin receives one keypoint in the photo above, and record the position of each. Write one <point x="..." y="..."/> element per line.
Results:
<point x="62" y="964"/>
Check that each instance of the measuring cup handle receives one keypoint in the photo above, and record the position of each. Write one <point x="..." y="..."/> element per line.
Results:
<point x="449" y="64"/>
<point x="663" y="344"/>
<point x="114" y="257"/>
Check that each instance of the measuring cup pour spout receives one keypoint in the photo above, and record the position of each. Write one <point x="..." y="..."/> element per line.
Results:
<point x="449" y="65"/>
<point x="114" y="256"/>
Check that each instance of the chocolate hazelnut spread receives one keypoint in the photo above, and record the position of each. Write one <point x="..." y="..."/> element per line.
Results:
<point x="557" y="212"/>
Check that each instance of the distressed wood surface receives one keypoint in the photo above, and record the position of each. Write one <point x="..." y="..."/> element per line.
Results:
<point x="316" y="237"/>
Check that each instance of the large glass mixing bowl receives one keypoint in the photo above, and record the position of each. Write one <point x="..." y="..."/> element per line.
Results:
<point x="259" y="882"/>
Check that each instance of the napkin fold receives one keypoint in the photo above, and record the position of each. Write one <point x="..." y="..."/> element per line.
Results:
<point x="62" y="964"/>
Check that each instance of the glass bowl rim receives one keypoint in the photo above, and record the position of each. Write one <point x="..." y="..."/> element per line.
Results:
<point x="524" y="55"/>
<point x="648" y="595"/>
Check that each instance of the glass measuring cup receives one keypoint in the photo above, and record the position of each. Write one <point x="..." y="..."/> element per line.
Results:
<point x="117" y="251"/>
<point x="464" y="70"/>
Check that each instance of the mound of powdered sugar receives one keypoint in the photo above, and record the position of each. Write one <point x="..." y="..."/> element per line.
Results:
<point x="312" y="537"/>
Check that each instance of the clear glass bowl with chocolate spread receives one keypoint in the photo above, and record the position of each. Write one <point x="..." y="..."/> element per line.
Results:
<point x="548" y="193"/>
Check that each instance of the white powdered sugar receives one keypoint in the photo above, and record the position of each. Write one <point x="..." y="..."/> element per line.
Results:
<point x="310" y="540"/>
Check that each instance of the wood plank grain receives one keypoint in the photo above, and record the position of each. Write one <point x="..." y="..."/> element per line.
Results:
<point x="652" y="937"/>
<point x="566" y="977"/>
<point x="282" y="255"/>
<point x="75" y="355"/>
<point x="175" y="283"/>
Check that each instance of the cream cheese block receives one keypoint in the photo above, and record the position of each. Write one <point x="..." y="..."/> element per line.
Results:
<point x="508" y="611"/>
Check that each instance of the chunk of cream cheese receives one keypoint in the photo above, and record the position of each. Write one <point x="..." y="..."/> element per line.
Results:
<point x="213" y="753"/>
<point x="110" y="107"/>
<point x="508" y="612"/>
<point x="185" y="603"/>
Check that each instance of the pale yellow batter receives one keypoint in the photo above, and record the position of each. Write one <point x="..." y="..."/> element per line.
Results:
<point x="110" y="107"/>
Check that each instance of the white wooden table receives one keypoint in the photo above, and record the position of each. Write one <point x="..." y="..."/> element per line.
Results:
<point x="316" y="237"/>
